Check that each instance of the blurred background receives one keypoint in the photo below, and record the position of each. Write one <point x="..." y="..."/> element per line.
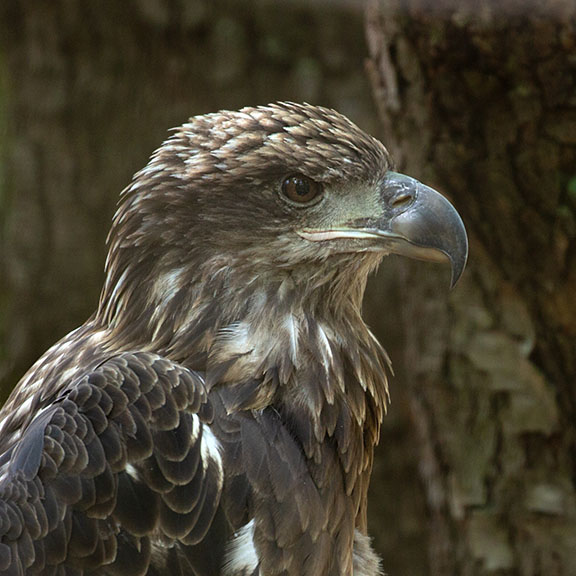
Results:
<point x="476" y="469"/>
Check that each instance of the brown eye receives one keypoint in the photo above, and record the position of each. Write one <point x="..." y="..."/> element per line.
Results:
<point x="301" y="189"/>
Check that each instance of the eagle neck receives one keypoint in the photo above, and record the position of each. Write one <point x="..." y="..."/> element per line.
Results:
<point x="321" y="370"/>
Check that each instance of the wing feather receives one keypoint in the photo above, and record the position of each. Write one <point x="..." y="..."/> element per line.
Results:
<point x="114" y="464"/>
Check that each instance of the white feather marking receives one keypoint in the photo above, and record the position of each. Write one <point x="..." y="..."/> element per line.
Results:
<point x="168" y="284"/>
<point x="132" y="472"/>
<point x="292" y="326"/>
<point x="325" y="348"/>
<point x="119" y="285"/>
<point x="235" y="339"/>
<point x="219" y="134"/>
<point x="165" y="288"/>
<point x="210" y="447"/>
<point x="68" y="374"/>
<point x="24" y="407"/>
<point x="241" y="555"/>
<point x="97" y="337"/>
<point x="63" y="346"/>
<point x="327" y="361"/>
<point x="196" y="424"/>
<point x="151" y="168"/>
<point x="366" y="561"/>
<point x="33" y="386"/>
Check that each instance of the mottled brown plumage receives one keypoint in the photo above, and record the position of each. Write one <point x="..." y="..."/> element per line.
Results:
<point x="218" y="413"/>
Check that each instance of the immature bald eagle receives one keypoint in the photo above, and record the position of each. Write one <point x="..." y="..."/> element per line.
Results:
<point x="218" y="413"/>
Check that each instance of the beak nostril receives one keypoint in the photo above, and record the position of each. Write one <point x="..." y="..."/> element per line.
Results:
<point x="402" y="201"/>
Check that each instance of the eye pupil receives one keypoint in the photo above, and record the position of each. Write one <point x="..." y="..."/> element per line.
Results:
<point x="300" y="189"/>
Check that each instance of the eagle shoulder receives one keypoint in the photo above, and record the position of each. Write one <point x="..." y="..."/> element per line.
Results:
<point x="120" y="465"/>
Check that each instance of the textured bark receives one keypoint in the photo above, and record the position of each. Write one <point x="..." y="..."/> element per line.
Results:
<point x="479" y="101"/>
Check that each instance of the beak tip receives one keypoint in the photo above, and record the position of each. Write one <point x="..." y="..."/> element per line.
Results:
<point x="455" y="277"/>
<point x="430" y="225"/>
<point x="457" y="267"/>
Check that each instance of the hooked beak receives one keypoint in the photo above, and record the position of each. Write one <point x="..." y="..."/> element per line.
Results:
<point x="415" y="221"/>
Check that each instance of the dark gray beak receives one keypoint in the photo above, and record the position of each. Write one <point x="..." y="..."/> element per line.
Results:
<point x="412" y="220"/>
<point x="419" y="222"/>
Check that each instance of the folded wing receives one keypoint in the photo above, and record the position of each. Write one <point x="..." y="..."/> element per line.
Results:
<point x="118" y="473"/>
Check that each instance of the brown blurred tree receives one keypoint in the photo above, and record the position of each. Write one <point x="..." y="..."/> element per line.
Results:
<point x="480" y="100"/>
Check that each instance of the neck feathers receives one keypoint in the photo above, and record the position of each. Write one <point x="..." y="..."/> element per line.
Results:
<point x="296" y="331"/>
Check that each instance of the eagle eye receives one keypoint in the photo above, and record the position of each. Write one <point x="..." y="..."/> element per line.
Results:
<point x="301" y="189"/>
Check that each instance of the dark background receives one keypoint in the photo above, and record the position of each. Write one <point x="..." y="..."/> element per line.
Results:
<point x="476" y="469"/>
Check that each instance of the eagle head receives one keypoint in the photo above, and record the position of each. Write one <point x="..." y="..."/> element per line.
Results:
<point x="286" y="197"/>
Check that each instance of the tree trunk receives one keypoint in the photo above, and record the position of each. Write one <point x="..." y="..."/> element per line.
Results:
<point x="479" y="101"/>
